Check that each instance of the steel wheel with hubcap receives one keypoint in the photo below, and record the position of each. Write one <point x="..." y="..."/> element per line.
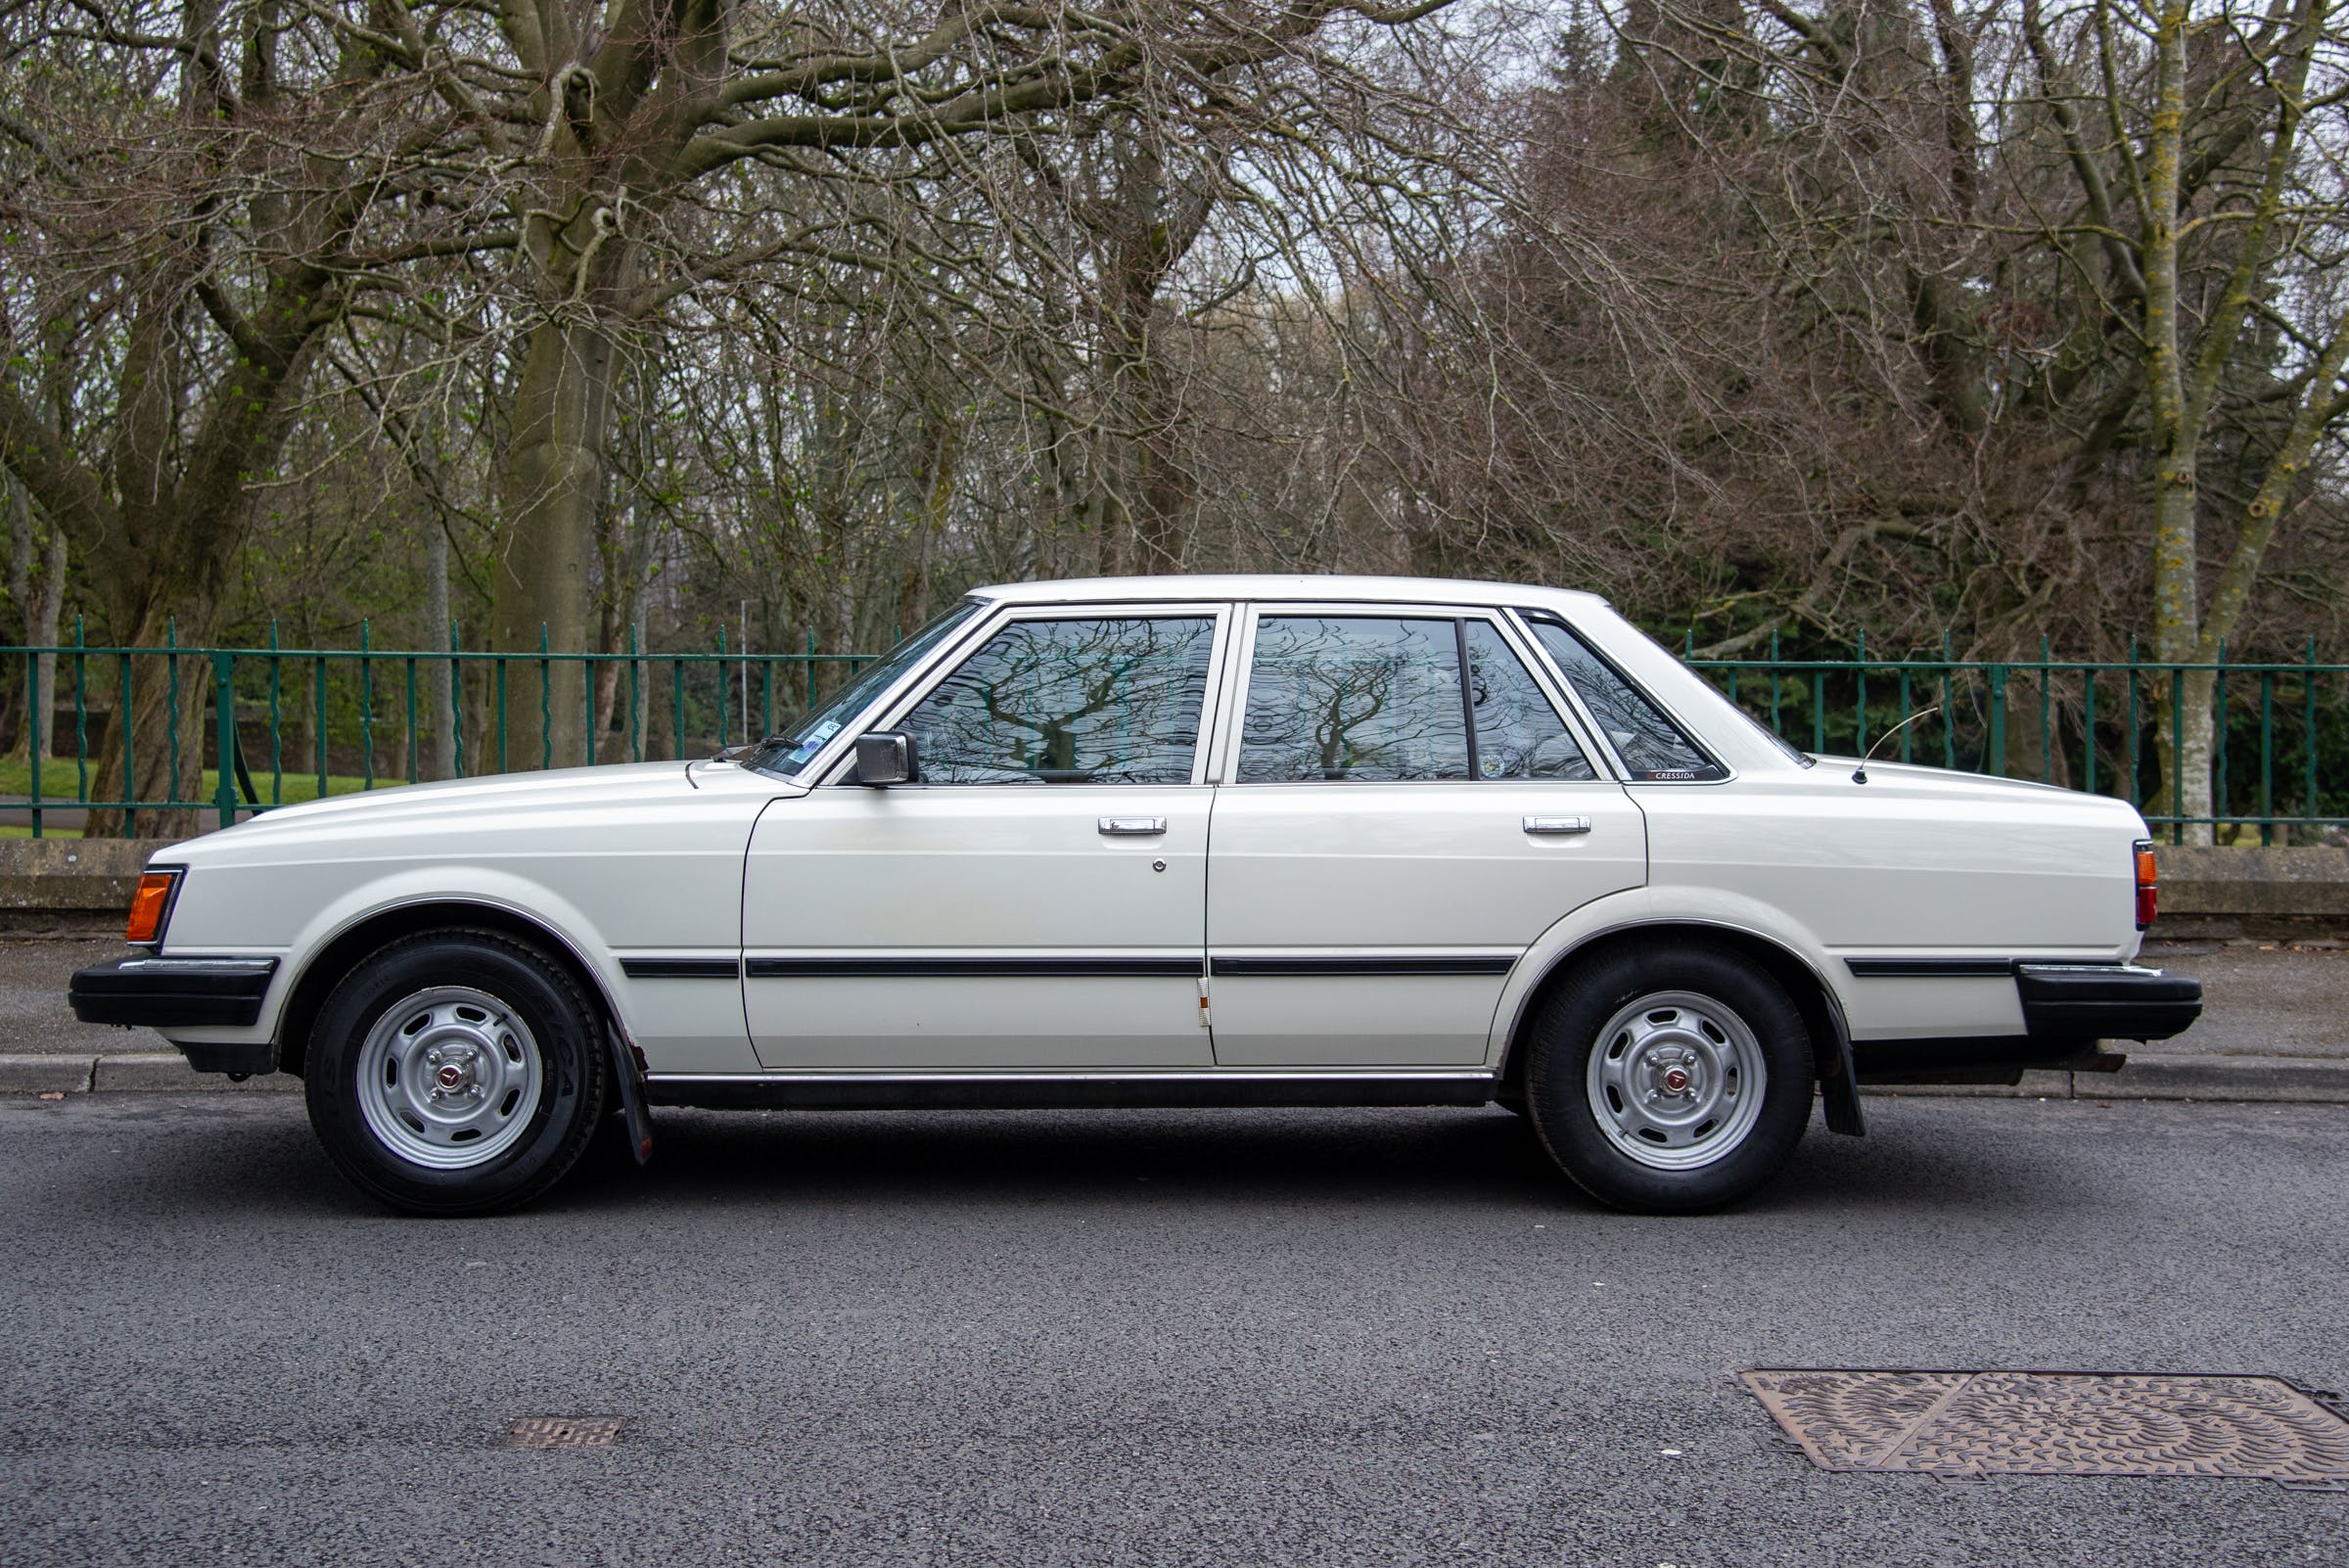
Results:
<point x="456" y="1072"/>
<point x="1675" y="1080"/>
<point x="1669" y="1079"/>
<point x="448" y="1078"/>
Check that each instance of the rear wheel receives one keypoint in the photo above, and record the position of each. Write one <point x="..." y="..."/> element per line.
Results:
<point x="1670" y="1080"/>
<point x="456" y="1072"/>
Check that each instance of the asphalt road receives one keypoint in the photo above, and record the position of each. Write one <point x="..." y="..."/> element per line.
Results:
<point x="1119" y="1338"/>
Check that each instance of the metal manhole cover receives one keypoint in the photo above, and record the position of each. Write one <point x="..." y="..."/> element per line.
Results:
<point x="563" y="1432"/>
<point x="2059" y="1423"/>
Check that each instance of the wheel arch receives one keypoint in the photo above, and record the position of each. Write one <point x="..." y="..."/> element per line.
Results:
<point x="342" y="951"/>
<point x="1813" y="997"/>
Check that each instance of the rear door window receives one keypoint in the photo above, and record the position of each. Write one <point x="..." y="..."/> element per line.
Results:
<point x="1366" y="698"/>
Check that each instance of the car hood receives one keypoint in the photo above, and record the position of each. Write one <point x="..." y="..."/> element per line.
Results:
<point x="480" y="803"/>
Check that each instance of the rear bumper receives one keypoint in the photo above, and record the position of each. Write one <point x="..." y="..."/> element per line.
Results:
<point x="2105" y="1001"/>
<point x="168" y="993"/>
<point x="2067" y="1010"/>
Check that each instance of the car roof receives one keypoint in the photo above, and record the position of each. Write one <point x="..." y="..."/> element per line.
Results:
<point x="1272" y="587"/>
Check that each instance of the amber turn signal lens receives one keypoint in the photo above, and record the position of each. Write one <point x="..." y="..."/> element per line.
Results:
<point x="147" y="905"/>
<point x="2148" y="892"/>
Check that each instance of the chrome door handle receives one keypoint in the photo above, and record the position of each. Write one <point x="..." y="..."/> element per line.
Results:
<point x="1132" y="827"/>
<point x="1557" y="824"/>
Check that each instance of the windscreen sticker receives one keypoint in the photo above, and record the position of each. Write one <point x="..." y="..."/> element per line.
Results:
<point x="814" y="742"/>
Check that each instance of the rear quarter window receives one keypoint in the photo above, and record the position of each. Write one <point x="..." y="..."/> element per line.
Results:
<point x="1654" y="748"/>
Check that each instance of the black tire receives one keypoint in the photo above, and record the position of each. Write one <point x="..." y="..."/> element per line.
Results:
<point x="1717" y="994"/>
<point x="530" y="1020"/>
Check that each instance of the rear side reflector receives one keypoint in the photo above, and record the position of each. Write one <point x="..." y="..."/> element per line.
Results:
<point x="2148" y="892"/>
<point x="149" y="906"/>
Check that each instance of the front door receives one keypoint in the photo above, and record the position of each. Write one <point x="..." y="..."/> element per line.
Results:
<point x="1407" y="812"/>
<point x="1036" y="899"/>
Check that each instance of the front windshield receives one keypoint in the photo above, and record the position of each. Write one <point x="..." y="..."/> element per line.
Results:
<point x="787" y="753"/>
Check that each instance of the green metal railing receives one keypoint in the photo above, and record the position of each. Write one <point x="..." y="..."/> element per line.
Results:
<point x="293" y="723"/>
<point x="2089" y="725"/>
<point x="296" y="723"/>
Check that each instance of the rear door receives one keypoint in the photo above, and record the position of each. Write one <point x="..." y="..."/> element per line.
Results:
<point x="1406" y="809"/>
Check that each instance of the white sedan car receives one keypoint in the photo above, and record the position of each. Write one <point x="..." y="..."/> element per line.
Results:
<point x="1167" y="841"/>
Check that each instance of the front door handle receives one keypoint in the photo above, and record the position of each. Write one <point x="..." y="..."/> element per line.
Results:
<point x="1547" y="825"/>
<point x="1132" y="827"/>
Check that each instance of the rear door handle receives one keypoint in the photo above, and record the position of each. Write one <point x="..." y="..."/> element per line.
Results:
<point x="1560" y="825"/>
<point x="1132" y="827"/>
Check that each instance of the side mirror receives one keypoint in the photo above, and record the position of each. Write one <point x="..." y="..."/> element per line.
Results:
<point x="885" y="757"/>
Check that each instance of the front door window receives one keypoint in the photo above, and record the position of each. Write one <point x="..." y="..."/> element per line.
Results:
<point x="1070" y="702"/>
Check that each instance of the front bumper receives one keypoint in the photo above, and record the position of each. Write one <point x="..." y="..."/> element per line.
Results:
<point x="2067" y="1010"/>
<point x="168" y="993"/>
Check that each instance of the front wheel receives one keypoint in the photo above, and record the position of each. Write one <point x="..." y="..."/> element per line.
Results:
<point x="456" y="1073"/>
<point x="1671" y="1079"/>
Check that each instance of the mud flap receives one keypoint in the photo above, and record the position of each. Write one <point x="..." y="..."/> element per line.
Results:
<point x="628" y="1075"/>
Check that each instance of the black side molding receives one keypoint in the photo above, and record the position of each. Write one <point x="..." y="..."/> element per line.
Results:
<point x="1073" y="966"/>
<point x="1499" y="963"/>
<point x="681" y="968"/>
<point x="169" y="993"/>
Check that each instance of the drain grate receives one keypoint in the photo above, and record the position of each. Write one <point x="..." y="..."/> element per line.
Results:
<point x="563" y="1432"/>
<point x="2059" y="1423"/>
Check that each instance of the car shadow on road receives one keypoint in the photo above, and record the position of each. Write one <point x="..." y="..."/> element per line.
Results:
<point x="1474" y="1159"/>
<point x="1483" y="1159"/>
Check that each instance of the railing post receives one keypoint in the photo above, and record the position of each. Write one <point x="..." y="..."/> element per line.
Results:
<point x="224" y="708"/>
<point x="82" y="714"/>
<point x="2177" y="779"/>
<point x="277" y="720"/>
<point x="546" y="703"/>
<point x="456" y="702"/>
<point x="1948" y="712"/>
<point x="366" y="708"/>
<point x="131" y="788"/>
<point x="1997" y="722"/>
<point x="2137" y="734"/>
<point x="32" y="731"/>
<point x="2047" y="715"/>
<point x="636" y="695"/>
<point x="171" y="691"/>
<point x="2218" y="741"/>
<point x="2309" y="698"/>
<point x="2267" y="757"/>
<point x="1860" y="656"/>
<point x="2087" y="724"/>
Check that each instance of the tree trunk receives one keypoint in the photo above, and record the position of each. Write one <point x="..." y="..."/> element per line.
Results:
<point x="2184" y="740"/>
<point x="545" y="575"/>
<point x="42" y="595"/>
<point x="169" y="742"/>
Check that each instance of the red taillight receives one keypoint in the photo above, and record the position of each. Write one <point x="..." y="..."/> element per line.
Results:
<point x="2148" y="892"/>
<point x="148" y="906"/>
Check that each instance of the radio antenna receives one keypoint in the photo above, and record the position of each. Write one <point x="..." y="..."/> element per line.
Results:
<point x="1860" y="773"/>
